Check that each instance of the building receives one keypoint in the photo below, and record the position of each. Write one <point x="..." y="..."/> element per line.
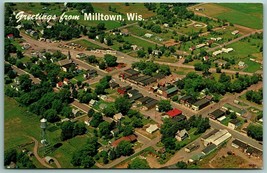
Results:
<point x="200" y="104"/>
<point x="10" y="36"/>
<point x="179" y="118"/>
<point x="200" y="45"/>
<point x="241" y="64"/>
<point x="227" y="50"/>
<point x="123" y="90"/>
<point x="217" y="114"/>
<point x="152" y="128"/>
<point x="209" y="149"/>
<point x="174" y="112"/>
<point x="218" y="138"/>
<point x="236" y="143"/>
<point x="65" y="64"/>
<point x="191" y="147"/>
<point x="235" y="32"/>
<point x="244" y="147"/>
<point x="196" y="157"/>
<point x="92" y="102"/>
<point x="136" y="97"/>
<point x="49" y="159"/>
<point x="187" y="101"/>
<point x="132" y="92"/>
<point x="206" y="136"/>
<point x="117" y="117"/>
<point x="148" y="35"/>
<point x="234" y="123"/>
<point x="131" y="138"/>
<point x="143" y="100"/>
<point x="113" y="85"/>
<point x="170" y="92"/>
<point x="181" y="135"/>
<point x="59" y="84"/>
<point x="130" y="72"/>
<point x="218" y="52"/>
<point x="152" y="103"/>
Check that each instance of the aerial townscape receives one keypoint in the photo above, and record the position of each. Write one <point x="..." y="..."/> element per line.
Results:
<point x="178" y="87"/>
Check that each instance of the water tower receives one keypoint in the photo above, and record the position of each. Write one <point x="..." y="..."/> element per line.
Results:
<point x="43" y="127"/>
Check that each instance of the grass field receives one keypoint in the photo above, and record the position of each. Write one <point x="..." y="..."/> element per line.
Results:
<point x="18" y="123"/>
<point x="40" y="8"/>
<point x="246" y="14"/>
<point x="87" y="44"/>
<point x="230" y="161"/>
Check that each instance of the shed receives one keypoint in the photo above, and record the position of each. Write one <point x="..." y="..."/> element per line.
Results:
<point x="209" y="149"/>
<point x="217" y="114"/>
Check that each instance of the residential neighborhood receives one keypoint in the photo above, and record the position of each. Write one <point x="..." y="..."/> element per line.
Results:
<point x="180" y="89"/>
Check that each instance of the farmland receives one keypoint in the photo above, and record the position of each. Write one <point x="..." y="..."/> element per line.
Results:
<point x="239" y="13"/>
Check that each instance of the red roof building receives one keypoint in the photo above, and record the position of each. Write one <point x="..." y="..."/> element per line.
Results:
<point x="173" y="113"/>
<point x="130" y="138"/>
<point x="59" y="84"/>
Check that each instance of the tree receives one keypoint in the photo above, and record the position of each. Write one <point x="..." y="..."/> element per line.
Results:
<point x="102" y="65"/>
<point x="67" y="130"/>
<point x="88" y="162"/>
<point x="110" y="60"/>
<point x="79" y="129"/>
<point x="169" y="143"/>
<point x="25" y="82"/>
<point x="156" y="29"/>
<point x="109" y="111"/>
<point x="255" y="131"/>
<point x="233" y="115"/>
<point x="138" y="163"/>
<point x="10" y="156"/>
<point x="112" y="154"/>
<point x="128" y="130"/>
<point x="67" y="112"/>
<point x="181" y="165"/>
<point x="91" y="112"/>
<point x="141" y="53"/>
<point x="218" y="70"/>
<point x="124" y="148"/>
<point x="164" y="105"/>
<point x="104" y="128"/>
<point x="100" y="26"/>
<point x="51" y="115"/>
<point x="122" y="105"/>
<point x="96" y="120"/>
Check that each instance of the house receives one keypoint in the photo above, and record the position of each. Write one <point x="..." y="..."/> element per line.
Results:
<point x="209" y="149"/>
<point x="148" y="35"/>
<point x="152" y="128"/>
<point x="131" y="138"/>
<point x="92" y="102"/>
<point x="102" y="106"/>
<point x="170" y="92"/>
<point x="206" y="136"/>
<point x="115" y="132"/>
<point x="227" y="50"/>
<point x="113" y="85"/>
<point x="205" y="58"/>
<point x="75" y="112"/>
<point x="117" y="117"/>
<point x="234" y="123"/>
<point x="103" y="97"/>
<point x="217" y="114"/>
<point x="187" y="101"/>
<point x="218" y="52"/>
<point x="200" y="104"/>
<point x="191" y="147"/>
<point x="143" y="100"/>
<point x="123" y="90"/>
<point x="200" y="45"/>
<point x="174" y="112"/>
<point x="134" y="47"/>
<point x="147" y="81"/>
<point x="181" y="135"/>
<point x="10" y="36"/>
<point x="236" y="143"/>
<point x="235" y="32"/>
<point x="65" y="64"/>
<point x="156" y="52"/>
<point x="166" y="25"/>
<point x="125" y="32"/>
<point x="65" y="81"/>
<point x="241" y="64"/>
<point x="59" y="84"/>
<point x="192" y="48"/>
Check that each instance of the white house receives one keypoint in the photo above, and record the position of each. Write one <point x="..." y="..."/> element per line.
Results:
<point x="152" y="128"/>
<point x="148" y="35"/>
<point x="181" y="135"/>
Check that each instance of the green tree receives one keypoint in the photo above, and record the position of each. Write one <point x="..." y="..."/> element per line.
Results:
<point x="255" y="131"/>
<point x="124" y="148"/>
<point x="181" y="165"/>
<point x="128" y="130"/>
<point x="122" y="105"/>
<point x="110" y="60"/>
<point x="67" y="130"/>
<point x="104" y="128"/>
<point x="138" y="163"/>
<point x="164" y="105"/>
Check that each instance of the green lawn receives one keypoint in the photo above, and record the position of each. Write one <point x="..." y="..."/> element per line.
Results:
<point x="246" y="14"/>
<point x="251" y="66"/>
<point x="54" y="8"/>
<point x="19" y="123"/>
<point x="87" y="44"/>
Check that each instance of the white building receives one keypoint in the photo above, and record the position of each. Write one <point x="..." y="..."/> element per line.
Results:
<point x="152" y="128"/>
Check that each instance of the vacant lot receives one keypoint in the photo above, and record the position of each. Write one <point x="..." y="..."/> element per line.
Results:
<point x="87" y="44"/>
<point x="19" y="123"/>
<point x="246" y="14"/>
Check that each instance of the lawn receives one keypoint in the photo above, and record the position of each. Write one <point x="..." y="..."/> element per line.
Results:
<point x="87" y="44"/>
<point x="52" y="8"/>
<point x="235" y="109"/>
<point x="251" y="66"/>
<point x="19" y="123"/>
<point x="230" y="161"/>
<point x="246" y="14"/>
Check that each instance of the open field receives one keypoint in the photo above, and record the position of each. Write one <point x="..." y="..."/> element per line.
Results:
<point x="18" y="124"/>
<point x="87" y="44"/>
<point x="245" y="14"/>
<point x="54" y="8"/>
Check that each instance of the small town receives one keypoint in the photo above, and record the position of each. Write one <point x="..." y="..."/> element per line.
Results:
<point x="180" y="89"/>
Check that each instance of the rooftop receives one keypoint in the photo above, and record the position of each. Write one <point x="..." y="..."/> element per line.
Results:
<point x="201" y="102"/>
<point x="174" y="112"/>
